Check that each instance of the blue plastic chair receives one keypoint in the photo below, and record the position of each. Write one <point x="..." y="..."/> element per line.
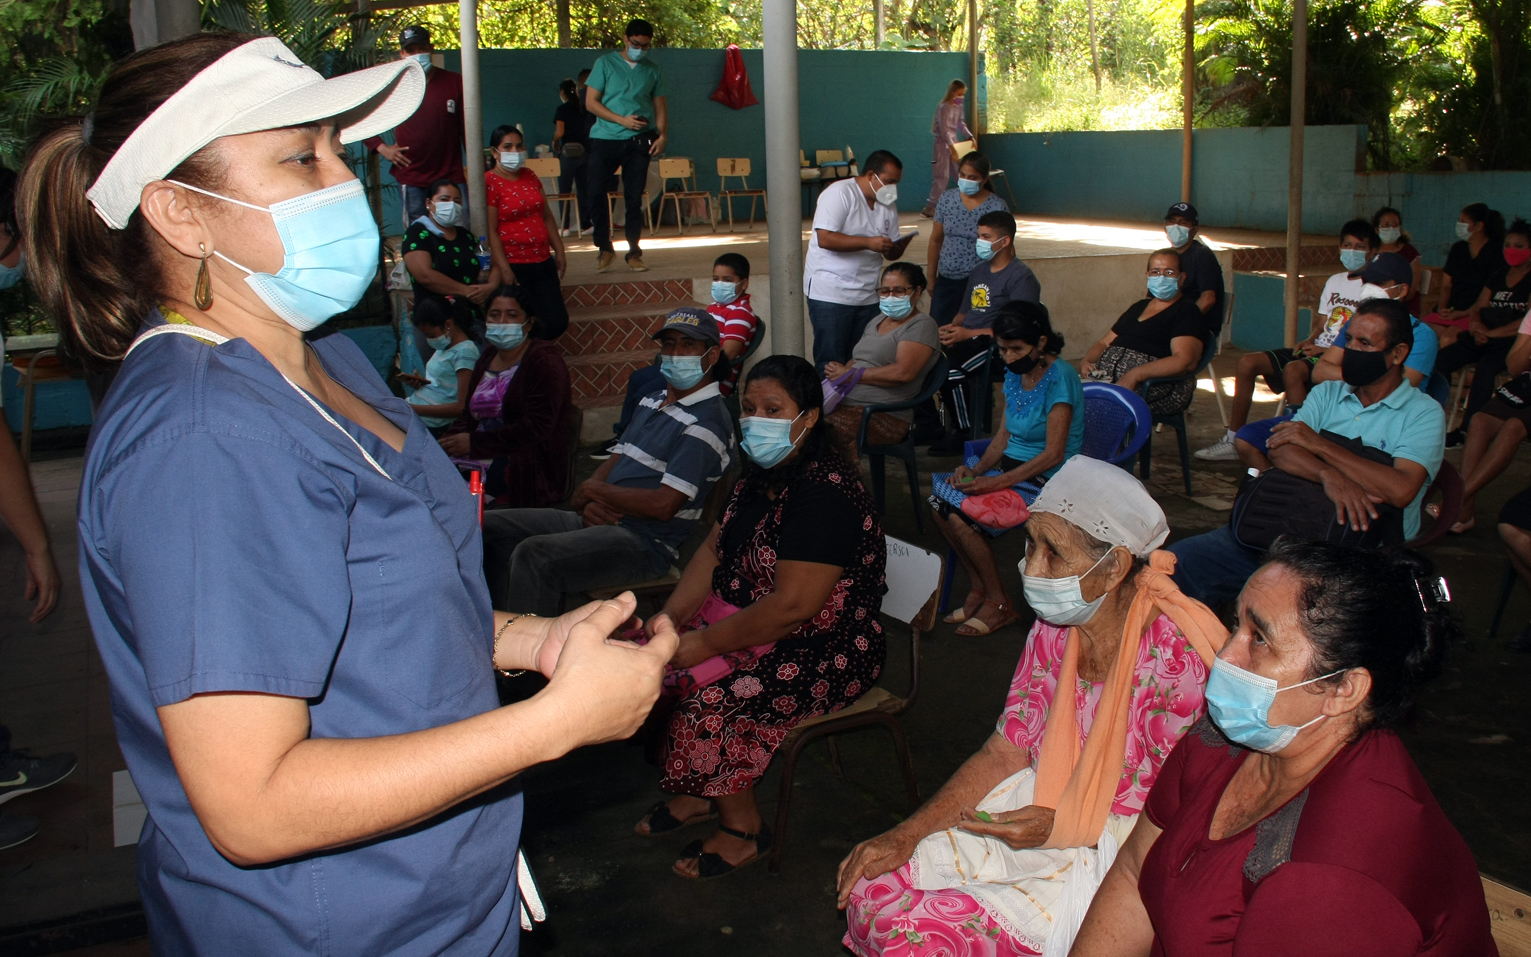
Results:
<point x="1175" y="420"/>
<point x="1116" y="422"/>
<point x="904" y="450"/>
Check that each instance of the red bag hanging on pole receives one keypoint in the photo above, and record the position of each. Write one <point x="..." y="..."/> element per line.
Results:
<point x="734" y="89"/>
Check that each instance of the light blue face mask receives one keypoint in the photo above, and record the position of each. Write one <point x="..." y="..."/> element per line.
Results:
<point x="11" y="275"/>
<point x="330" y="242"/>
<point x="505" y="335"/>
<point x="683" y="372"/>
<point x="984" y="248"/>
<point x="767" y="441"/>
<point x="896" y="307"/>
<point x="1240" y="704"/>
<point x="969" y="187"/>
<point x="424" y="59"/>
<point x="635" y="53"/>
<point x="1464" y="230"/>
<point x="1060" y="601"/>
<point x="1178" y="234"/>
<point x="439" y="342"/>
<point x="724" y="292"/>
<point x="512" y="159"/>
<point x="1163" y="287"/>
<point x="446" y="211"/>
<point x="1353" y="259"/>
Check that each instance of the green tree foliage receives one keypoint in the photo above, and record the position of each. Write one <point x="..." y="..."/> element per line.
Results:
<point x="53" y="55"/>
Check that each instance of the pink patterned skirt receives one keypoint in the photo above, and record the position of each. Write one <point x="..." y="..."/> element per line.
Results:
<point x="888" y="916"/>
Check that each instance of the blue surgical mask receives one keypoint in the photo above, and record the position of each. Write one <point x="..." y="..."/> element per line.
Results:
<point x="635" y="53"/>
<point x="969" y="187"/>
<point x="11" y="275"/>
<point x="683" y="372"/>
<point x="424" y="59"/>
<point x="767" y="441"/>
<point x="1464" y="230"/>
<point x="505" y="335"/>
<point x="446" y="211"/>
<point x="896" y="307"/>
<point x="1178" y="234"/>
<point x="1060" y="601"/>
<point x="439" y="342"/>
<point x="724" y="292"/>
<point x="330" y="243"/>
<point x="1353" y="259"/>
<point x="1240" y="704"/>
<point x="512" y="159"/>
<point x="1163" y="287"/>
<point x="1390" y="234"/>
<point x="984" y="248"/>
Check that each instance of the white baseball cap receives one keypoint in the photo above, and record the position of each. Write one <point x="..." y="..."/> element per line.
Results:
<point x="260" y="85"/>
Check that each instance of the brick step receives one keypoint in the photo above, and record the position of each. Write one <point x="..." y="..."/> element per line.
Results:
<point x="627" y="293"/>
<point x="593" y="378"/>
<point x="643" y="356"/>
<point x="1273" y="258"/>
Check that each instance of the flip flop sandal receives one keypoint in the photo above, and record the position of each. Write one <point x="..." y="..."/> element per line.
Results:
<point x="976" y="627"/>
<point x="710" y="866"/>
<point x="662" y="821"/>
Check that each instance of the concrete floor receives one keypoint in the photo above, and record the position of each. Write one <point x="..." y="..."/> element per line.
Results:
<point x="611" y="892"/>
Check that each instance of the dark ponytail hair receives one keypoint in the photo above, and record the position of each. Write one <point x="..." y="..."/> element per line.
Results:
<point x="99" y="283"/>
<point x="1027" y="321"/>
<point x="803" y="385"/>
<point x="980" y="164"/>
<point x="1492" y="220"/>
<point x="1383" y="611"/>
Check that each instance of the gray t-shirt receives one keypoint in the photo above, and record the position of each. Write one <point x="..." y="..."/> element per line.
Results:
<point x="988" y="291"/>
<point x="881" y="349"/>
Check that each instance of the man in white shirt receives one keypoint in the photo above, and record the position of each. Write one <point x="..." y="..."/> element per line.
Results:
<point x="855" y="228"/>
<point x="1291" y="370"/>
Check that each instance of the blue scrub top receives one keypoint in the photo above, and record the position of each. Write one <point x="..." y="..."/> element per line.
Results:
<point x="233" y="540"/>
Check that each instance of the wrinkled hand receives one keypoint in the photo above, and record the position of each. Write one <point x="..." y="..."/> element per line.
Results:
<point x="479" y="292"/>
<point x="960" y="473"/>
<point x="951" y="334"/>
<point x="1086" y="368"/>
<point x="693" y="649"/>
<point x="556" y="632"/>
<point x="1029" y="827"/>
<point x="984" y="484"/>
<point x="42" y="584"/>
<point x="456" y="444"/>
<point x="885" y="852"/>
<point x="1353" y="505"/>
<point x="394" y="154"/>
<point x="1294" y="433"/>
<point x="606" y="688"/>
<point x="581" y="495"/>
<point x="834" y="370"/>
<point x="596" y="514"/>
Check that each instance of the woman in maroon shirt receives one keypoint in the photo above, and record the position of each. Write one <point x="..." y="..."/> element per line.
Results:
<point x="1296" y="823"/>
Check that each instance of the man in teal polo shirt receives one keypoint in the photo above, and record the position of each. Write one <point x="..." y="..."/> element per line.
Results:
<point x="1373" y="403"/>
<point x="627" y="95"/>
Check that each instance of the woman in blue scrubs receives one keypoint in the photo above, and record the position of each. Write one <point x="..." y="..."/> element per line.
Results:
<point x="282" y="569"/>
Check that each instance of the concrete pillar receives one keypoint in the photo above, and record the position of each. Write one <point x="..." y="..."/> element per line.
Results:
<point x="784" y="189"/>
<point x="156" y="21"/>
<point x="473" y="118"/>
<point x="1294" y="168"/>
<point x="1188" y="94"/>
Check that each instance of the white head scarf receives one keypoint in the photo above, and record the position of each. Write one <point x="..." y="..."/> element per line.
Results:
<point x="1106" y="502"/>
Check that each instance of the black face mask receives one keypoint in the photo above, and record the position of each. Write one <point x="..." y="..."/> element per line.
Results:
<point x="1022" y="366"/>
<point x="1363" y="368"/>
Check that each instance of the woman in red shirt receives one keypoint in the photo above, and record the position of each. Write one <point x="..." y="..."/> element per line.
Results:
<point x="523" y="235"/>
<point x="1296" y="823"/>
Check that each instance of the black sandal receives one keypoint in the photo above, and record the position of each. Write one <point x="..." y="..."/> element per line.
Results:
<point x="661" y="820"/>
<point x="710" y="866"/>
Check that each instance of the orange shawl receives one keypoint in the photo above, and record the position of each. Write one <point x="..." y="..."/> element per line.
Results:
<point x="1081" y="786"/>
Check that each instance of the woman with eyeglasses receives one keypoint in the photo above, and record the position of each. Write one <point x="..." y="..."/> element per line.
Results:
<point x="1157" y="337"/>
<point x="893" y="356"/>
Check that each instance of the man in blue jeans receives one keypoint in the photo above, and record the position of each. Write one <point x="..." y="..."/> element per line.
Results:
<point x="855" y="228"/>
<point x="626" y="94"/>
<point x="1374" y="403"/>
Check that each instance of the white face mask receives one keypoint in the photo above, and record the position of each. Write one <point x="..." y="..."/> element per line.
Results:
<point x="446" y="211"/>
<point x="1060" y="601"/>
<point x="512" y="159"/>
<point x="887" y="193"/>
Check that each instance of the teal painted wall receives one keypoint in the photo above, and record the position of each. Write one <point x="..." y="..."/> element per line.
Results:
<point x="1259" y="312"/>
<point x="1430" y="202"/>
<point x="866" y="100"/>
<point x="1239" y="175"/>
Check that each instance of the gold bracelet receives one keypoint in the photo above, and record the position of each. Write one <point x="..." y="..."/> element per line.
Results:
<point x="495" y="652"/>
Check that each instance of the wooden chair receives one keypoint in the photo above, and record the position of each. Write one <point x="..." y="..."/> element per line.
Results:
<point x="914" y="579"/>
<point x="965" y="147"/>
<point x="1509" y="916"/>
<point x="685" y="171"/>
<point x="616" y="194"/>
<point x="738" y="167"/>
<point x="550" y="168"/>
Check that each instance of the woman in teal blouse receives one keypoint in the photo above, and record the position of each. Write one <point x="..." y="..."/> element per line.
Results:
<point x="1043" y="426"/>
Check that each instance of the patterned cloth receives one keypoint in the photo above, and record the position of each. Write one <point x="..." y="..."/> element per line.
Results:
<point x="517" y="200"/>
<point x="720" y="739"/>
<point x="1164" y="398"/>
<point x="891" y="916"/>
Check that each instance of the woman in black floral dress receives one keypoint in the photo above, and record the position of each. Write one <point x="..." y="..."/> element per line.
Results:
<point x="782" y="603"/>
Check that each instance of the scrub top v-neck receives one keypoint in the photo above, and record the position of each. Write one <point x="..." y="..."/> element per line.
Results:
<point x="234" y="540"/>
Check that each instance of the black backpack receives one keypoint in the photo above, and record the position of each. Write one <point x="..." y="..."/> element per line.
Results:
<point x="1277" y="503"/>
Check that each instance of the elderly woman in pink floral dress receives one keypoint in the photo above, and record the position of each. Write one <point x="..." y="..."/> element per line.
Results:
<point x="1006" y="856"/>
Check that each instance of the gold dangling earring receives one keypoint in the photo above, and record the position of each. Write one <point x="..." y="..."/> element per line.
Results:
<point x="203" y="296"/>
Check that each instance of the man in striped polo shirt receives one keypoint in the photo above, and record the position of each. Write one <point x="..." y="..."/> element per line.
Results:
<point x="630" y="518"/>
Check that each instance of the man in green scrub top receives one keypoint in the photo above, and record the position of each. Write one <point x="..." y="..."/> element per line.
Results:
<point x="627" y="95"/>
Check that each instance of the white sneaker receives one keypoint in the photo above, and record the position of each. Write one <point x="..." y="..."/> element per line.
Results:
<point x="1221" y="452"/>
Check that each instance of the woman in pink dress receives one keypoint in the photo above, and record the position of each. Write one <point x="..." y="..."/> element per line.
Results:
<point x="1010" y="850"/>
<point x="948" y="127"/>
